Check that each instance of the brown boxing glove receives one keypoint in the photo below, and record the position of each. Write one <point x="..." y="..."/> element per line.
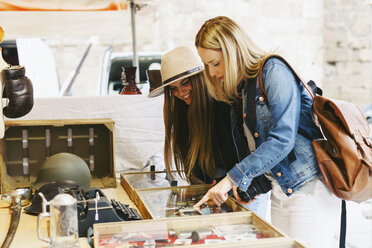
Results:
<point x="1" y="34"/>
<point x="18" y="89"/>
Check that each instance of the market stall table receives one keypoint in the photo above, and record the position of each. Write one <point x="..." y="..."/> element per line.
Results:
<point x="26" y="235"/>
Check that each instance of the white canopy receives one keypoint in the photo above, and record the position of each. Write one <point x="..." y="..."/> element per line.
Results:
<point x="65" y="5"/>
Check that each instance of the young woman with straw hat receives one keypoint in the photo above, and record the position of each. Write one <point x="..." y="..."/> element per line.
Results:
<point x="197" y="128"/>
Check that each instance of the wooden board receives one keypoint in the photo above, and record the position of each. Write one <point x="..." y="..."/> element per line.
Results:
<point x="243" y="229"/>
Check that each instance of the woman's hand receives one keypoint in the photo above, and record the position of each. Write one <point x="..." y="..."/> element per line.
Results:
<point x="218" y="193"/>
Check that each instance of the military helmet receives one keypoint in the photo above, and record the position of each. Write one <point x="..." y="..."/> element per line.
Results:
<point x="63" y="167"/>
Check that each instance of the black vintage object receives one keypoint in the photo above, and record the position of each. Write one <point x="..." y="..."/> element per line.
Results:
<point x="49" y="190"/>
<point x="18" y="89"/>
<point x="259" y="185"/>
<point x="124" y="211"/>
<point x="89" y="212"/>
<point x="28" y="143"/>
<point x="105" y="211"/>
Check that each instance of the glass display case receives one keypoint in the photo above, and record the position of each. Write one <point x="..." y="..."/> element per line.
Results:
<point x="242" y="229"/>
<point x="178" y="202"/>
<point x="131" y="181"/>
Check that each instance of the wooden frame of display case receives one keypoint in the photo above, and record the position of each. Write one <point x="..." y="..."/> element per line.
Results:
<point x="244" y="229"/>
<point x="132" y="181"/>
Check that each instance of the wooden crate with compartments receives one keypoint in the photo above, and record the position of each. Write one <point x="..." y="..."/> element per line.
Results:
<point x="28" y="143"/>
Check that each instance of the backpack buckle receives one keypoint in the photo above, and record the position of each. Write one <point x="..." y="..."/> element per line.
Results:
<point x="355" y="137"/>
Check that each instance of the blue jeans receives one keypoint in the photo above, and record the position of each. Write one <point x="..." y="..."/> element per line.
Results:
<point x="259" y="206"/>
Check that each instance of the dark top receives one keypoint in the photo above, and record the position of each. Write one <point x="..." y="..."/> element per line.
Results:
<point x="225" y="156"/>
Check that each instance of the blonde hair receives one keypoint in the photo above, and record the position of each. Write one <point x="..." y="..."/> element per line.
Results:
<point x="188" y="130"/>
<point x="242" y="57"/>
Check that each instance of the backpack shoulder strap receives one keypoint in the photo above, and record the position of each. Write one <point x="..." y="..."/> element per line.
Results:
<point x="311" y="87"/>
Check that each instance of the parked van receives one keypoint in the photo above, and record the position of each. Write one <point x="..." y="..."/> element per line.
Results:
<point x="110" y="77"/>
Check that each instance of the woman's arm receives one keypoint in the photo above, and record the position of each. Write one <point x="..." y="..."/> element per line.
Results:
<point x="284" y="97"/>
<point x="284" y="104"/>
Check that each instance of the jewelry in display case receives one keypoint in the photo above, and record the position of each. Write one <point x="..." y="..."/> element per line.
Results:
<point x="242" y="229"/>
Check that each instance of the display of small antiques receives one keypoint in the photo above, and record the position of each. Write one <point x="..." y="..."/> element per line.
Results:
<point x="224" y="230"/>
<point x="28" y="151"/>
<point x="179" y="201"/>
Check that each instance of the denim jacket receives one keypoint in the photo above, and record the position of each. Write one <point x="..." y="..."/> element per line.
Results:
<point x="281" y="148"/>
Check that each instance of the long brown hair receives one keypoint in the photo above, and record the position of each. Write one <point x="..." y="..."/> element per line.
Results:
<point x="242" y="57"/>
<point x="188" y="130"/>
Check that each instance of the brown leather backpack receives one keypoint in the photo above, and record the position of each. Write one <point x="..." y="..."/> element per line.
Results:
<point x="345" y="153"/>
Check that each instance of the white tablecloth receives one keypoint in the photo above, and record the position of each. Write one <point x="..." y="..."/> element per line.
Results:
<point x="139" y="127"/>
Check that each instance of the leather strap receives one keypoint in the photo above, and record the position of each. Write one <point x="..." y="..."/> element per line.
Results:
<point x="309" y="89"/>
<point x="249" y="104"/>
<point x="343" y="225"/>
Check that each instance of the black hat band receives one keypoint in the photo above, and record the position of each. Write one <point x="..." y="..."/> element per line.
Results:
<point x="199" y="68"/>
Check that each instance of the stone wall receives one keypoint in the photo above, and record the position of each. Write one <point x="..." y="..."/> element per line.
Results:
<point x="347" y="51"/>
<point x="328" y="41"/>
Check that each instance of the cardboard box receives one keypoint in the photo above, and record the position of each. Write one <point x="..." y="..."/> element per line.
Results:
<point x="28" y="143"/>
<point x="243" y="229"/>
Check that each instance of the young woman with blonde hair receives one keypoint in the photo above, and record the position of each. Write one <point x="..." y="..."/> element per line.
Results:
<point x="281" y="134"/>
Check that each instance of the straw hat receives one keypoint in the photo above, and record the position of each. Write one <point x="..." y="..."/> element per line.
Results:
<point x="177" y="64"/>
